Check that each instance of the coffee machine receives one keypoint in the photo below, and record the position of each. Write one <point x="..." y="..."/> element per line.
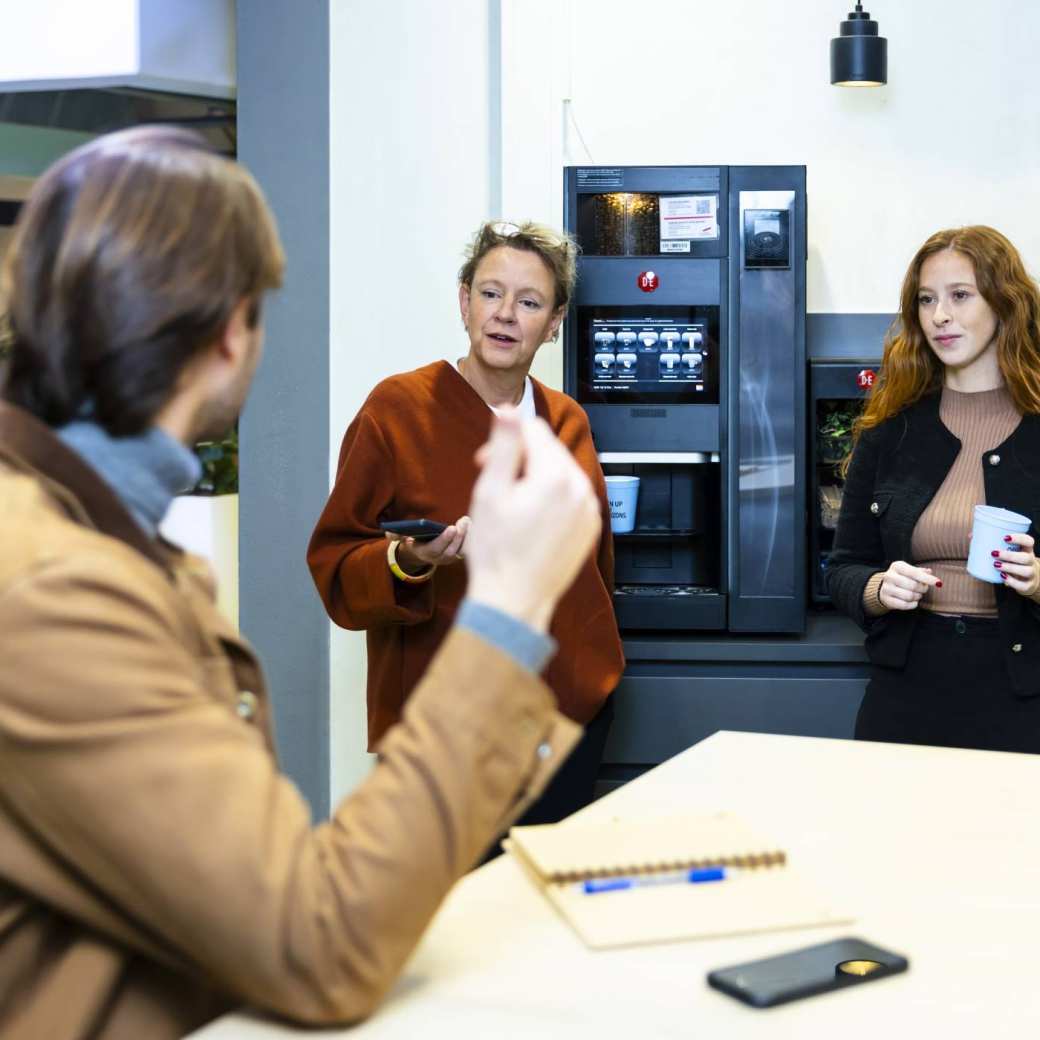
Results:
<point x="685" y="344"/>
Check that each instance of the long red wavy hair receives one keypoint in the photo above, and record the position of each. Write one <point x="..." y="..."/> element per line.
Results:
<point x="909" y="367"/>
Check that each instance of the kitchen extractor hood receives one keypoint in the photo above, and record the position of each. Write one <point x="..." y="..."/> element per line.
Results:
<point x="114" y="63"/>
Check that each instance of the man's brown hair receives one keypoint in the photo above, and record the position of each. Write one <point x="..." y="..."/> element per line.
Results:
<point x="128" y="258"/>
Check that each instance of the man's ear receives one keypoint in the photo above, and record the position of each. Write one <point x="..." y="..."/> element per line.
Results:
<point x="234" y="340"/>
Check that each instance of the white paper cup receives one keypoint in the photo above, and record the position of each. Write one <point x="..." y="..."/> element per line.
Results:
<point x="623" y="496"/>
<point x="990" y="526"/>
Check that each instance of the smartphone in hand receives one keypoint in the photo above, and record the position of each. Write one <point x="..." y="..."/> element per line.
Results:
<point x="805" y="972"/>
<point x="420" y="530"/>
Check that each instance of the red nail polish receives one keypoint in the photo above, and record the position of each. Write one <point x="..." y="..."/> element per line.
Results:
<point x="1003" y="574"/>
<point x="1007" y="538"/>
<point x="997" y="563"/>
<point x="995" y="552"/>
<point x="938" y="584"/>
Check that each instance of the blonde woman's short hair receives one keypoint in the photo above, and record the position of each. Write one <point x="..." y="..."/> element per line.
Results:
<point x="557" y="250"/>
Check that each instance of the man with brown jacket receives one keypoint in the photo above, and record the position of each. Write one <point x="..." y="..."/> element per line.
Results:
<point x="155" y="867"/>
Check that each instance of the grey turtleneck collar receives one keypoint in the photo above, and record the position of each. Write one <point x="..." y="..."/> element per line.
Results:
<point x="145" y="471"/>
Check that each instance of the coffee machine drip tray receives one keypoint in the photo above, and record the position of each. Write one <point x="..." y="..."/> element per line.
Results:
<point x="669" y="607"/>
<point x="666" y="590"/>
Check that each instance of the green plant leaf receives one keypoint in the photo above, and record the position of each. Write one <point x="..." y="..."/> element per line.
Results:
<point x="219" y="465"/>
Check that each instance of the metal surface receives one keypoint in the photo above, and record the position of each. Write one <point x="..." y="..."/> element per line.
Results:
<point x="100" y="110"/>
<point x="838" y="336"/>
<point x="658" y="457"/>
<point x="658" y="716"/>
<point x="766" y="412"/>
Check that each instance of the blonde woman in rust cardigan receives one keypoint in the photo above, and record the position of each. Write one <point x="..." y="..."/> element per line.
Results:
<point x="954" y="421"/>
<point x="410" y="453"/>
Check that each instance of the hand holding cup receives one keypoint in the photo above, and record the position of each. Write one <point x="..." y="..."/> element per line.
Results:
<point x="1017" y="564"/>
<point x="993" y="531"/>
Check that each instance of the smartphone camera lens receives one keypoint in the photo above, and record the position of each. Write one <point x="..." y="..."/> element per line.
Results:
<point x="858" y="967"/>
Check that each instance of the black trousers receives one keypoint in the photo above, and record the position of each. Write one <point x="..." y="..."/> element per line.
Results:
<point x="572" y="787"/>
<point x="955" y="691"/>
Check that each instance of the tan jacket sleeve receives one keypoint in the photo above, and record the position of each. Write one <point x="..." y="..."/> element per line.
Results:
<point x="166" y="825"/>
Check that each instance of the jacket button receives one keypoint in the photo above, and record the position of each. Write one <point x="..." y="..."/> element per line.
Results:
<point x="875" y="508"/>
<point x="994" y="460"/>
<point x="1016" y="648"/>
<point x="245" y="706"/>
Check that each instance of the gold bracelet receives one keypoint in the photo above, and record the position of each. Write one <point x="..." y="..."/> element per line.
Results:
<point x="399" y="572"/>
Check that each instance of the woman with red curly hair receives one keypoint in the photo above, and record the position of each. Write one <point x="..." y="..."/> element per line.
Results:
<point x="953" y="421"/>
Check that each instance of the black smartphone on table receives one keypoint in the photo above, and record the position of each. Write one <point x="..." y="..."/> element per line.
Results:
<point x="420" y="530"/>
<point x="803" y="973"/>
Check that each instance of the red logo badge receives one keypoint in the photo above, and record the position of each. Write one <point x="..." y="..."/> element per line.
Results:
<point x="648" y="281"/>
<point x="866" y="379"/>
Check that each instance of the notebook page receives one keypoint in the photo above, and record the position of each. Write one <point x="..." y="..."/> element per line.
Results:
<point x="762" y="901"/>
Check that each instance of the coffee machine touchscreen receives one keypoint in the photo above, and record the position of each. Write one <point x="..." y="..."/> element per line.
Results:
<point x="634" y="357"/>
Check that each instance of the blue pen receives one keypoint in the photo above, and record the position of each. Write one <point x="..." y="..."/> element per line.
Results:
<point x="697" y="876"/>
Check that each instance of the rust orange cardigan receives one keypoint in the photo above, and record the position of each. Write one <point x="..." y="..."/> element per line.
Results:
<point x="409" y="454"/>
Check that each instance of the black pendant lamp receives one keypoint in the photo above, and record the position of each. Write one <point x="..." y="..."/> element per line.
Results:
<point x="859" y="57"/>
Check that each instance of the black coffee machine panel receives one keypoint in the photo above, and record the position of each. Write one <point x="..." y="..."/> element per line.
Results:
<point x="685" y="344"/>
<point x="680" y="300"/>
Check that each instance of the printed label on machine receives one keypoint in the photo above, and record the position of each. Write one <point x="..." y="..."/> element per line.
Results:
<point x="650" y="352"/>
<point x="688" y="217"/>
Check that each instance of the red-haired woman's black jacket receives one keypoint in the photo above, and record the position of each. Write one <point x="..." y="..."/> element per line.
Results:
<point x="896" y="470"/>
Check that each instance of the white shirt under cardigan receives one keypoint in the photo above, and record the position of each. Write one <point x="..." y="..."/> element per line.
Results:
<point x="526" y="405"/>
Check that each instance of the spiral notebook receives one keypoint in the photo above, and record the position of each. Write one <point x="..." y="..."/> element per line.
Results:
<point x="763" y="894"/>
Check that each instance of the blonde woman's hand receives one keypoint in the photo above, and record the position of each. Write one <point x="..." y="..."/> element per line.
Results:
<point x="414" y="557"/>
<point x="904" y="585"/>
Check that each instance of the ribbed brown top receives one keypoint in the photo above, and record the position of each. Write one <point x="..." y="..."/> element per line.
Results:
<point x="981" y="421"/>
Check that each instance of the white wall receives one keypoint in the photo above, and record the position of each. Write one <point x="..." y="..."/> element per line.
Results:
<point x="408" y="184"/>
<point x="952" y="140"/>
<point x="207" y="525"/>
